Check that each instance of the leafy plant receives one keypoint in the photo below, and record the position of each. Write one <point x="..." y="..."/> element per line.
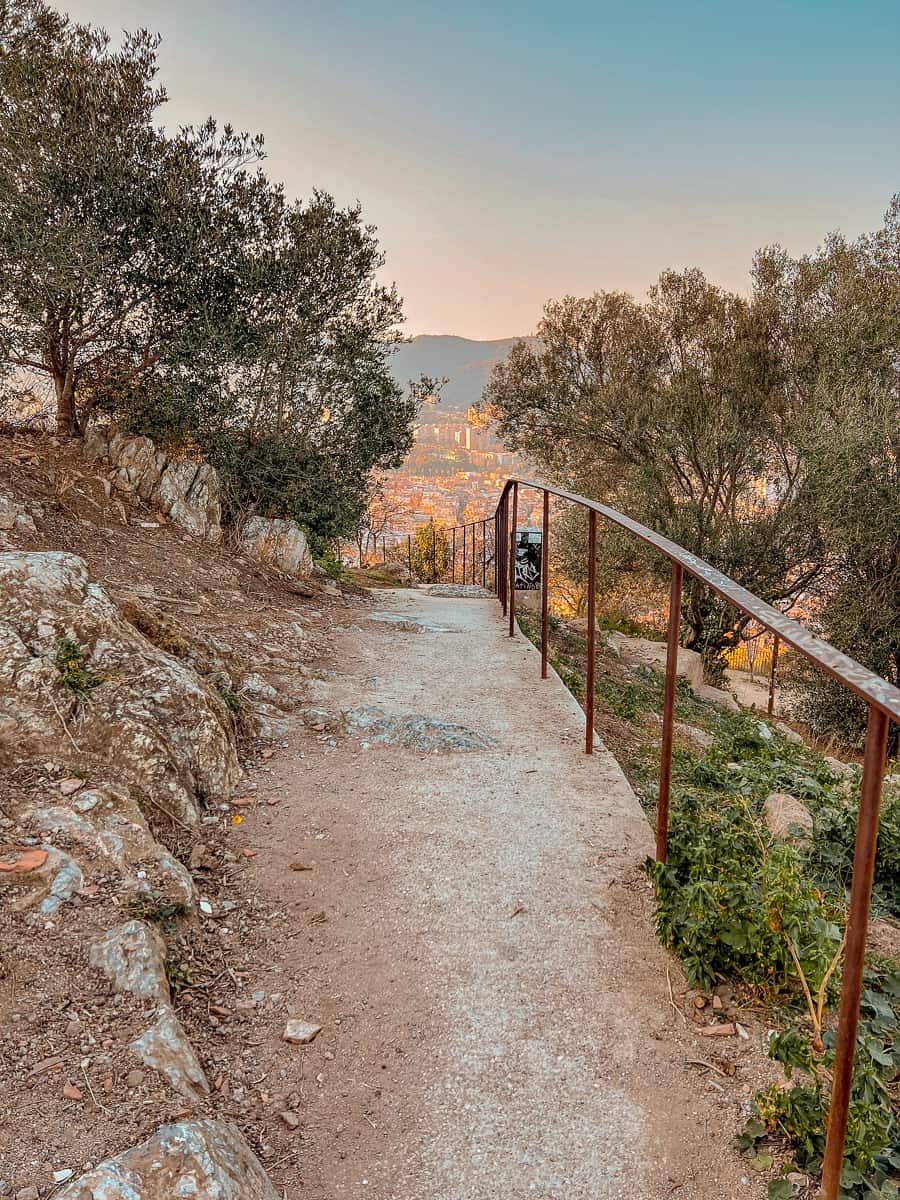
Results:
<point x="799" y="1115"/>
<point x="73" y="674"/>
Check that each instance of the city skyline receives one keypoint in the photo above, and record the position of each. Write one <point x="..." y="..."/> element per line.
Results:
<point x="511" y="155"/>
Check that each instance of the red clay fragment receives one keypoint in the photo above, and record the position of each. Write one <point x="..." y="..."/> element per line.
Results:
<point x="26" y="858"/>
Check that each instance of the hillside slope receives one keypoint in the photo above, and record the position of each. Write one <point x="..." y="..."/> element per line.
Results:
<point x="466" y="364"/>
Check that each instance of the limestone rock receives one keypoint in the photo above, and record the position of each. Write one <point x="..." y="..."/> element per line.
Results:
<point x="301" y="1033"/>
<point x="46" y="886"/>
<point x="206" y="1160"/>
<point x="188" y="492"/>
<point x="109" y="824"/>
<point x="277" y="543"/>
<point x="789" y="735"/>
<point x="413" y="731"/>
<point x="133" y="957"/>
<point x="165" y="1048"/>
<point x="843" y="769"/>
<point x="642" y="652"/>
<point x="168" y="731"/>
<point x="14" y="517"/>
<point x="787" y="817"/>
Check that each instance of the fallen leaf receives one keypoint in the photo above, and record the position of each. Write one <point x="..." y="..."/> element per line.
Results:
<point x="299" y="866"/>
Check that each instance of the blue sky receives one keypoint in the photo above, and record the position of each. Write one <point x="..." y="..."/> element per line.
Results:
<point x="512" y="153"/>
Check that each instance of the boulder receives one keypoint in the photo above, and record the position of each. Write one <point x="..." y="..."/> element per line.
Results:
<point x="787" y="817"/>
<point x="14" y="517"/>
<point x="277" y="543"/>
<point x="641" y="652"/>
<point x="186" y="491"/>
<point x="165" y="1048"/>
<point x="789" y="735"/>
<point x="133" y="958"/>
<point x="206" y="1160"/>
<point x="169" y="733"/>
<point x="43" y="879"/>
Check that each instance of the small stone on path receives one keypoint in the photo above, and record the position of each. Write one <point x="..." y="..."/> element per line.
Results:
<point x="300" y="1032"/>
<point x="290" y="1119"/>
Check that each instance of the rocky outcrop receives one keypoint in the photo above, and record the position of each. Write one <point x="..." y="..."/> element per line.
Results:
<point x="205" y="1160"/>
<point x="277" y="543"/>
<point x="132" y="957"/>
<point x="786" y="817"/>
<point x="641" y="652"/>
<point x="186" y="491"/>
<point x="170" y="734"/>
<point x="109" y="825"/>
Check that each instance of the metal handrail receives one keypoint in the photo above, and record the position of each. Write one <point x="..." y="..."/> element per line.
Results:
<point x="881" y="697"/>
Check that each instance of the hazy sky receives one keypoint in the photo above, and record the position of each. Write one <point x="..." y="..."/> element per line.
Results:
<point x="514" y="152"/>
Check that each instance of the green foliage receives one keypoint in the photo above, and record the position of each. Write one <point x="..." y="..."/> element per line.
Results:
<point x="324" y="557"/>
<point x="165" y="281"/>
<point x="799" y="1115"/>
<point x="431" y="553"/>
<point x="231" y="699"/>
<point x="831" y="854"/>
<point x="733" y="903"/>
<point x="73" y="674"/>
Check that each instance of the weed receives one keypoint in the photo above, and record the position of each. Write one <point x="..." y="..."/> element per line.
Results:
<point x="232" y="700"/>
<point x="73" y="674"/>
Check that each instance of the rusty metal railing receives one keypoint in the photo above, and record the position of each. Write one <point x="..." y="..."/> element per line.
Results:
<point x="882" y="698"/>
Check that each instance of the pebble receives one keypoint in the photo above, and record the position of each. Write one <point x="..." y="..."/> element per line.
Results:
<point x="27" y="1193"/>
<point x="290" y="1119"/>
<point x="71" y="1092"/>
<point x="134" y="1079"/>
<point x="73" y="1028"/>
<point x="63" y="1175"/>
<point x="70" y="786"/>
<point x="300" y="1032"/>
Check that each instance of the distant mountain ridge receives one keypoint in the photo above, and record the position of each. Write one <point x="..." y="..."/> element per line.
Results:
<point x="467" y="364"/>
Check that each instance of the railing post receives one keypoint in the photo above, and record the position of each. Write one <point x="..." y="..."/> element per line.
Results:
<point x="512" y="560"/>
<point x="855" y="949"/>
<point x="409" y="555"/>
<point x="668" y="725"/>
<point x="592" y="634"/>
<point x="453" y="554"/>
<point x="503" y="546"/>
<point x="776" y="642"/>
<point x="484" y="525"/>
<point x="545" y="583"/>
<point x="474" y="548"/>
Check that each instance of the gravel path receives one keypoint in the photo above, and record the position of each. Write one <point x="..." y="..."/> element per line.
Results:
<point x="505" y="1027"/>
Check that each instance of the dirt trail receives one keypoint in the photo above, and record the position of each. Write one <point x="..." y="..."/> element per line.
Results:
<point x="475" y="936"/>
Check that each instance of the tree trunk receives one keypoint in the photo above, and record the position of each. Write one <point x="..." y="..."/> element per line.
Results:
<point x="66" y="412"/>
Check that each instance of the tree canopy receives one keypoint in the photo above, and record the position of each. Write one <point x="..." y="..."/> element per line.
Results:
<point x="761" y="432"/>
<point x="162" y="279"/>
